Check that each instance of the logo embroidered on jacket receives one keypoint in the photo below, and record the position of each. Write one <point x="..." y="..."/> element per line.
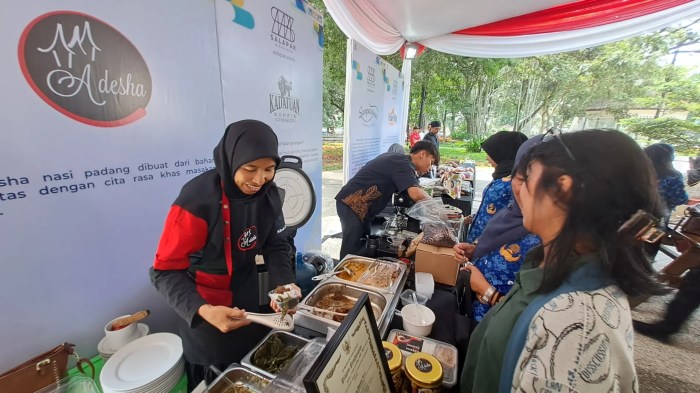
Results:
<point x="248" y="239"/>
<point x="511" y="253"/>
<point x="491" y="209"/>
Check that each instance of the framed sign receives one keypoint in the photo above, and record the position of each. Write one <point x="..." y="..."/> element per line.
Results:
<point x="353" y="360"/>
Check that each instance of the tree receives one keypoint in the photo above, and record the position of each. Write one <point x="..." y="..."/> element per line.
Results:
<point x="683" y="135"/>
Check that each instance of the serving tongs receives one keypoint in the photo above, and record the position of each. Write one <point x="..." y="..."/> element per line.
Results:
<point x="331" y="274"/>
<point x="275" y="320"/>
<point x="320" y="310"/>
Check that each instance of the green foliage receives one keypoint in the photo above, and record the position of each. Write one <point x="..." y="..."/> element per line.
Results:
<point x="683" y="135"/>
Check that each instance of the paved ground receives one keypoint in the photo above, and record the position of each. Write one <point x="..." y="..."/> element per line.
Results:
<point x="672" y="368"/>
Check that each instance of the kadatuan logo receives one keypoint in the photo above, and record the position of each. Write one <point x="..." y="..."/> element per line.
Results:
<point x="85" y="69"/>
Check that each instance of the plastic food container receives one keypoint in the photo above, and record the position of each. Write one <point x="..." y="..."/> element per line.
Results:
<point x="74" y="384"/>
<point x="287" y="339"/>
<point x="425" y="284"/>
<point x="407" y="297"/>
<point x="445" y="353"/>
<point x="395" y="359"/>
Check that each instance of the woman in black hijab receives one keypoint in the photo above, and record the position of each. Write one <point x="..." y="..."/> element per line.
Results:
<point x="205" y="263"/>
<point x="501" y="149"/>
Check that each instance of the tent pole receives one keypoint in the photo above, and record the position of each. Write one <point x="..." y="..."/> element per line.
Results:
<point x="406" y="72"/>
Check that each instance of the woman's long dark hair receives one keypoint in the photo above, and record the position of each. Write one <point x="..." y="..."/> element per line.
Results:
<point x="612" y="179"/>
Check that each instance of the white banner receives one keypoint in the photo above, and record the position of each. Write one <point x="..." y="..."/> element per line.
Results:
<point x="272" y="71"/>
<point x="107" y="109"/>
<point x="373" y="108"/>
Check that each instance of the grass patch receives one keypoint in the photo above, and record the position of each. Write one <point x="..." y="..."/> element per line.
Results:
<point x="452" y="152"/>
<point x="332" y="156"/>
<point x="449" y="152"/>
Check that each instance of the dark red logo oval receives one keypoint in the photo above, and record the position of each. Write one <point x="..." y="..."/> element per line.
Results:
<point x="85" y="69"/>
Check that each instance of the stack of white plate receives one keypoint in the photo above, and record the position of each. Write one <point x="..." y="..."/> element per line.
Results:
<point x="152" y="364"/>
<point x="106" y="350"/>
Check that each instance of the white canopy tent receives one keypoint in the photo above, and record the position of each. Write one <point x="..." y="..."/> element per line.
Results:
<point x="500" y="28"/>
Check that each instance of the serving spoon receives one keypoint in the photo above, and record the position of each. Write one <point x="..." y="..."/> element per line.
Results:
<point x="331" y="274"/>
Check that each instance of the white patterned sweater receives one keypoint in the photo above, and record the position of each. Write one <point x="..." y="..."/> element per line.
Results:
<point x="579" y="342"/>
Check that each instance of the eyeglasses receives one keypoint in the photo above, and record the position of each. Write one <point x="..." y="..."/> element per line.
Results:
<point x="555" y="133"/>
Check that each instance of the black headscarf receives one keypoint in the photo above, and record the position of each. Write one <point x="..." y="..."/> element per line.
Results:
<point x="661" y="156"/>
<point x="502" y="147"/>
<point x="507" y="224"/>
<point x="244" y="141"/>
<point x="694" y="173"/>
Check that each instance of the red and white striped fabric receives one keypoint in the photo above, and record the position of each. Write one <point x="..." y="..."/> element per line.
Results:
<point x="502" y="28"/>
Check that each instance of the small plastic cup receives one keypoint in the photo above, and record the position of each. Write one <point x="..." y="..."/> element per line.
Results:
<point x="288" y="297"/>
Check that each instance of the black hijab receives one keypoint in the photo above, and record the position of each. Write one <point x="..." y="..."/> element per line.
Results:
<point x="506" y="225"/>
<point x="661" y="156"/>
<point x="244" y="141"/>
<point x="502" y="147"/>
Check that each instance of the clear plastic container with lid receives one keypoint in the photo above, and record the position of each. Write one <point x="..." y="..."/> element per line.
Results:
<point x="425" y="373"/>
<point x="395" y="359"/>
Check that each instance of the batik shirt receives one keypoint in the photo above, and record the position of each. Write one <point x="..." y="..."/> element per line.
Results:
<point x="500" y="265"/>
<point x="672" y="190"/>
<point x="495" y="197"/>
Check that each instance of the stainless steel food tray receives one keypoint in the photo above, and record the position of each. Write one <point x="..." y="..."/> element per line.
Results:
<point x="239" y="375"/>
<point x="286" y="338"/>
<point x="395" y="287"/>
<point x="380" y="303"/>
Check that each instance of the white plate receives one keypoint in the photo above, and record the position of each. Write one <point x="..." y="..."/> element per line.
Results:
<point x="141" y="362"/>
<point x="104" y="349"/>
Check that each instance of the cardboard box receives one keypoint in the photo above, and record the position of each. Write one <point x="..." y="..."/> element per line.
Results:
<point x="439" y="261"/>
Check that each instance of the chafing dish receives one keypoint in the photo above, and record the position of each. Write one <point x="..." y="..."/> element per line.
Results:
<point x="287" y="339"/>
<point x="374" y="274"/>
<point x="243" y="381"/>
<point x="318" y="321"/>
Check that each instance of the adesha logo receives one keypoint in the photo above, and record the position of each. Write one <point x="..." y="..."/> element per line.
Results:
<point x="282" y="33"/>
<point x="85" y="69"/>
<point x="248" y="239"/>
<point x="241" y="16"/>
<point x="284" y="106"/>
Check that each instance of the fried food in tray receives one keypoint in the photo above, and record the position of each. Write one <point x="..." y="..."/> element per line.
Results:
<point x="380" y="275"/>
<point x="372" y="273"/>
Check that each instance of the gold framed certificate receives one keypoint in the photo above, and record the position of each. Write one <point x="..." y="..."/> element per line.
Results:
<point x="353" y="361"/>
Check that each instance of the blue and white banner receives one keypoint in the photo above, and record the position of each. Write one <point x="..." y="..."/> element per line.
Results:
<point x="373" y="108"/>
<point x="107" y="109"/>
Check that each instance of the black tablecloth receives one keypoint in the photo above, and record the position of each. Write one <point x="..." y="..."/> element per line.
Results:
<point x="451" y="325"/>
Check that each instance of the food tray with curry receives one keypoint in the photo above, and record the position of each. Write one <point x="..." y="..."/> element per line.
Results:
<point x="328" y="304"/>
<point x="376" y="274"/>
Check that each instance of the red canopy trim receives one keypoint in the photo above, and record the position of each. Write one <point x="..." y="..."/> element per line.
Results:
<point x="572" y="16"/>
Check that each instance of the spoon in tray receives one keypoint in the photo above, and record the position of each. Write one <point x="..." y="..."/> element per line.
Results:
<point x="331" y="274"/>
<point x="275" y="321"/>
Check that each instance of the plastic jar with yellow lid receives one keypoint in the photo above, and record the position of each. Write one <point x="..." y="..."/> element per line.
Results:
<point x="425" y="373"/>
<point x="395" y="358"/>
